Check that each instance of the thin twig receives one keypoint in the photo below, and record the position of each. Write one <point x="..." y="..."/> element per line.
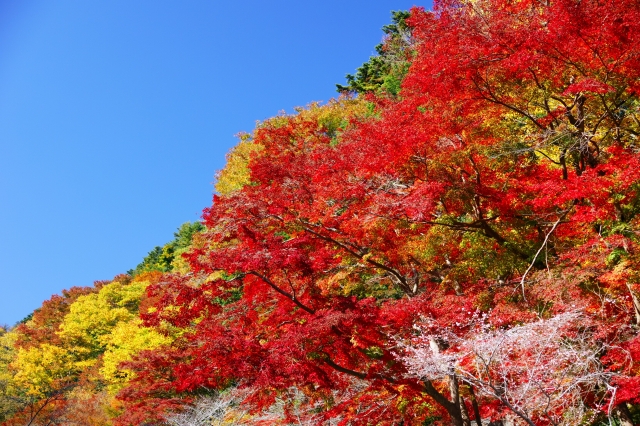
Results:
<point x="544" y="244"/>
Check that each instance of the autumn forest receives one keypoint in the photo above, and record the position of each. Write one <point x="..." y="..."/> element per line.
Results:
<point x="453" y="240"/>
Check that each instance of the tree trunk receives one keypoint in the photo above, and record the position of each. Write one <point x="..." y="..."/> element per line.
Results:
<point x="465" y="413"/>
<point x="474" y="404"/>
<point x="452" y="409"/>
<point x="636" y="303"/>
<point x="621" y="411"/>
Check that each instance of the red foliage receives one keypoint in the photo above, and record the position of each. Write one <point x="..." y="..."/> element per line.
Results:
<point x="499" y="182"/>
<point x="42" y="327"/>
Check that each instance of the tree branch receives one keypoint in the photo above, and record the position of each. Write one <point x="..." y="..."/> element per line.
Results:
<point x="286" y="294"/>
<point x="544" y="243"/>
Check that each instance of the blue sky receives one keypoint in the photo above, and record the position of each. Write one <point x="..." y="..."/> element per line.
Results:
<point x="115" y="116"/>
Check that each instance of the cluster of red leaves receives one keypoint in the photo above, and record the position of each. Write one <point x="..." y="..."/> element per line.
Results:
<point x="45" y="321"/>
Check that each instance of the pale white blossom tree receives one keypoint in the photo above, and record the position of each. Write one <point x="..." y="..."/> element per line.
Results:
<point x="543" y="372"/>
<point x="228" y="408"/>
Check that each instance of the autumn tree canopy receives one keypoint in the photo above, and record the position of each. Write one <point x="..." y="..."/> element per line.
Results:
<point x="455" y="243"/>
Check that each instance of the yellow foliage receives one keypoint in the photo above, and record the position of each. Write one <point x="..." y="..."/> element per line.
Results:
<point x="7" y="353"/>
<point x="235" y="174"/>
<point x="37" y="368"/>
<point x="86" y="328"/>
<point x="10" y="391"/>
<point x="125" y="340"/>
<point x="336" y="115"/>
<point x="179" y="264"/>
<point x="100" y="331"/>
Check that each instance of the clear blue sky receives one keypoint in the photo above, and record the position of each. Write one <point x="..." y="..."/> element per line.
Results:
<point x="116" y="114"/>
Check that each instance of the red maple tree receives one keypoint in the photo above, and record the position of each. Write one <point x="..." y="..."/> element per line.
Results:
<point x="503" y="179"/>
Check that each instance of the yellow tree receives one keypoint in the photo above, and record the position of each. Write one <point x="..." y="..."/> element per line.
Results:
<point x="63" y="377"/>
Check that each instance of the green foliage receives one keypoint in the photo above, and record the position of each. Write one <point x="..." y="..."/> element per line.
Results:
<point x="153" y="261"/>
<point x="164" y="259"/>
<point x="25" y="319"/>
<point x="385" y="71"/>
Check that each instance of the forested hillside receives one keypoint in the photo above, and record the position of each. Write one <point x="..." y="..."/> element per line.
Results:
<point x="454" y="240"/>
